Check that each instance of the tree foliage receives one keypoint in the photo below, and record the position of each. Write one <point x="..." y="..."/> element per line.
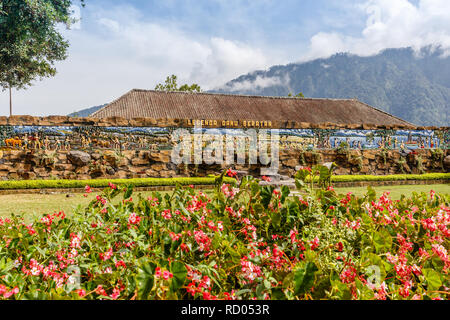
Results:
<point x="30" y="42"/>
<point x="172" y="85"/>
<point x="299" y="95"/>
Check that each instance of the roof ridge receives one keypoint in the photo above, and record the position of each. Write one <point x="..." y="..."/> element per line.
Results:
<point x="137" y="94"/>
<point x="387" y="113"/>
<point x="244" y="95"/>
<point x="112" y="102"/>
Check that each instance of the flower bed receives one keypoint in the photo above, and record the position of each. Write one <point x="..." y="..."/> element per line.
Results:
<point x="244" y="242"/>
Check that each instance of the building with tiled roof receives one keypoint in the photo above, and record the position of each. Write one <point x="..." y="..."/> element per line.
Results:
<point x="211" y="106"/>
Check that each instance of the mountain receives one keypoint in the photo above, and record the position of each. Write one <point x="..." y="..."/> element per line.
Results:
<point x="414" y="86"/>
<point x="86" y="112"/>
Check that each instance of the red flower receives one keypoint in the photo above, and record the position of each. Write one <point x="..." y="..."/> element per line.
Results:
<point x="81" y="292"/>
<point x="315" y="243"/>
<point x="231" y="173"/>
<point x="167" y="275"/>
<point x="112" y="186"/>
<point x="134" y="219"/>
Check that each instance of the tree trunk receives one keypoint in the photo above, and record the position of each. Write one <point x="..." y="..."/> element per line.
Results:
<point x="10" y="102"/>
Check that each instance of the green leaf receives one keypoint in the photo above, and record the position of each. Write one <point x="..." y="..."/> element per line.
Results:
<point x="278" y="294"/>
<point x="342" y="290"/>
<point x="364" y="292"/>
<point x="145" y="279"/>
<point x="266" y="195"/>
<point x="304" y="278"/>
<point x="285" y="191"/>
<point x="433" y="279"/>
<point x="179" y="272"/>
<point x="371" y="194"/>
<point x="128" y="192"/>
<point x="382" y="241"/>
<point x="276" y="219"/>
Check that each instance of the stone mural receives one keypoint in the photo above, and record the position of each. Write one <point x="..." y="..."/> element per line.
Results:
<point x="85" y="152"/>
<point x="59" y="138"/>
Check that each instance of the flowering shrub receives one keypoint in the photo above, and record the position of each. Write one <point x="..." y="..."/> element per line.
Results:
<point x="244" y="242"/>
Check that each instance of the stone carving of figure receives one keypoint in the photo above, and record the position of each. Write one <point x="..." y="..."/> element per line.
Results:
<point x="46" y="143"/>
<point x="57" y="144"/>
<point x="67" y="144"/>
<point x="25" y="142"/>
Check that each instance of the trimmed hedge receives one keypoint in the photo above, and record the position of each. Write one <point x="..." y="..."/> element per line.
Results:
<point x="160" y="182"/>
<point x="102" y="183"/>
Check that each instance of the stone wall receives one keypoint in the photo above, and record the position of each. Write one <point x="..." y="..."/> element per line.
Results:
<point x="67" y="155"/>
<point x="31" y="165"/>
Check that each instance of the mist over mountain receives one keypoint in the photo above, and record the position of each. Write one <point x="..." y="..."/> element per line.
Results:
<point x="414" y="86"/>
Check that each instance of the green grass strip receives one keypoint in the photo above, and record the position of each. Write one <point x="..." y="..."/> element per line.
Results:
<point x="394" y="177"/>
<point x="102" y="183"/>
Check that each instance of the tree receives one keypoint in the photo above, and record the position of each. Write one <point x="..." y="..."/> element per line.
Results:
<point x="30" y="43"/>
<point x="299" y="95"/>
<point x="171" y="85"/>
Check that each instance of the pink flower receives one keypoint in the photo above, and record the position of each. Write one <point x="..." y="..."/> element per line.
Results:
<point x="174" y="236"/>
<point x="88" y="189"/>
<point x="157" y="272"/>
<point x="81" y="292"/>
<point x="75" y="241"/>
<point x="440" y="251"/>
<point x="112" y="186"/>
<point x="166" y="214"/>
<point x="115" y="294"/>
<point x="184" y="247"/>
<point x="100" y="199"/>
<point x="315" y="243"/>
<point x="167" y="275"/>
<point x="229" y="191"/>
<point x="134" y="219"/>
<point x="348" y="275"/>
<point x="100" y="291"/>
<point x="107" y="255"/>
<point x="432" y="193"/>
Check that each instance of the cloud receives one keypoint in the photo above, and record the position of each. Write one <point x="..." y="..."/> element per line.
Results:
<point x="226" y="60"/>
<point x="259" y="83"/>
<point x="117" y="49"/>
<point x="389" y="24"/>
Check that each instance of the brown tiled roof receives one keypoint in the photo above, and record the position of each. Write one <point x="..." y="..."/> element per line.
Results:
<point x="209" y="106"/>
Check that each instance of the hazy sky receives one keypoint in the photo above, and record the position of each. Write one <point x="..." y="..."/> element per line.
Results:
<point x="119" y="45"/>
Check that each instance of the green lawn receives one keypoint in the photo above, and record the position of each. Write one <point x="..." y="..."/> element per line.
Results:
<point x="37" y="204"/>
<point x="33" y="205"/>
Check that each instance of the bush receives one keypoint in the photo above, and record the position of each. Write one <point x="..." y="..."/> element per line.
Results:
<point x="243" y="242"/>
